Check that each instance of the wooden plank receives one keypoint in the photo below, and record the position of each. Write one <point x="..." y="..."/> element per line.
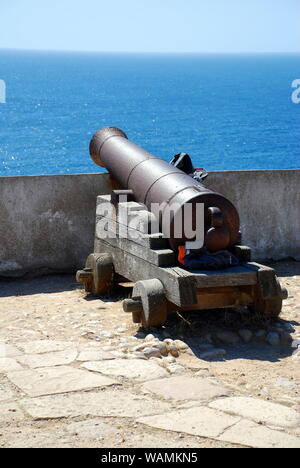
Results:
<point x="132" y="214"/>
<point x="234" y="276"/>
<point x="180" y="290"/>
<point x="107" y="209"/>
<point x="266" y="278"/>
<point x="217" y="298"/>
<point x="150" y="241"/>
<point x="159" y="257"/>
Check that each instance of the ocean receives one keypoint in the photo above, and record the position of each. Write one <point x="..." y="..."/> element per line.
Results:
<point x="226" y="111"/>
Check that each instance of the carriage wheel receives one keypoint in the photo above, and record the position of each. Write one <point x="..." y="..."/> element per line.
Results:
<point x="98" y="274"/>
<point x="148" y="304"/>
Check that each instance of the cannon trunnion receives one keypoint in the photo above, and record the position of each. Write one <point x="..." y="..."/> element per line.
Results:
<point x="126" y="248"/>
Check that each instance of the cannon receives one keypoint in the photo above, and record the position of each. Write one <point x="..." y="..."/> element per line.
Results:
<point x="154" y="181"/>
<point x="127" y="248"/>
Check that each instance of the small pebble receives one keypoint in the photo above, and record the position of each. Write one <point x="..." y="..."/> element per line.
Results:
<point x="260" y="335"/>
<point x="150" y="337"/>
<point x="296" y="343"/>
<point x="151" y="352"/>
<point x="173" y="349"/>
<point x="246" y="335"/>
<point x="168" y="341"/>
<point x="228" y="337"/>
<point x="176" y="368"/>
<point x="162" y="347"/>
<point x="107" y="334"/>
<point x="91" y="336"/>
<point x="180" y="345"/>
<point x="273" y="338"/>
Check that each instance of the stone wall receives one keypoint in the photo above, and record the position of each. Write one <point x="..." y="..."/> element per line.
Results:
<point x="47" y="222"/>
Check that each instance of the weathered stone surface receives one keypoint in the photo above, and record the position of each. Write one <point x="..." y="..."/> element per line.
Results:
<point x="95" y="355"/>
<point x="8" y="350"/>
<point x="90" y="429"/>
<point x="259" y="410"/>
<point x="131" y="369"/>
<point x="6" y="393"/>
<point x="185" y="388"/>
<point x="44" y="346"/>
<point x="58" y="358"/>
<point x="10" y="412"/>
<point x="110" y="403"/>
<point x="199" y="421"/>
<point x="8" y="365"/>
<point x="51" y="380"/>
<point x="174" y="369"/>
<point x="228" y="337"/>
<point x="255" y="435"/>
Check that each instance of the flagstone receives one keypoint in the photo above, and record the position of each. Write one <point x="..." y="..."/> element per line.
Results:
<point x="8" y="365"/>
<point x="108" y="403"/>
<point x="186" y="388"/>
<point x="58" y="358"/>
<point x="254" y="435"/>
<point x="260" y="411"/>
<point x="139" y="370"/>
<point x="52" y="380"/>
<point x="198" y="421"/>
<point x="44" y="346"/>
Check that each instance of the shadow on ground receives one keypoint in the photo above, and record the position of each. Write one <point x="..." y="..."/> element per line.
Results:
<point x="43" y="285"/>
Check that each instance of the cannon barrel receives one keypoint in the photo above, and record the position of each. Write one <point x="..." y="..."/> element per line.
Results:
<point x="153" y="180"/>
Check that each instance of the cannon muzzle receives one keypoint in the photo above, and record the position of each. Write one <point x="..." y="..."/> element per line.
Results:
<point x="154" y="181"/>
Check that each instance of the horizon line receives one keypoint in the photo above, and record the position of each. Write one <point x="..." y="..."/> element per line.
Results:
<point x="124" y="52"/>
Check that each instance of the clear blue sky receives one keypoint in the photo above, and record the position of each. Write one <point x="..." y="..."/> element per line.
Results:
<point x="151" y="25"/>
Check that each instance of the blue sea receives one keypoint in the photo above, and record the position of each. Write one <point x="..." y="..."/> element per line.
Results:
<point x="226" y="111"/>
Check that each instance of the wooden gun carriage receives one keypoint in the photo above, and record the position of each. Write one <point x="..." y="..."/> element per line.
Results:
<point x="125" y="248"/>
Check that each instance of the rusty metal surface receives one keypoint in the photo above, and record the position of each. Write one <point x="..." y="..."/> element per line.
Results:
<point x="153" y="180"/>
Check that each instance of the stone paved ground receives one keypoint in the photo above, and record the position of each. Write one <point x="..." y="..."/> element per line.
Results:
<point x="75" y="372"/>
